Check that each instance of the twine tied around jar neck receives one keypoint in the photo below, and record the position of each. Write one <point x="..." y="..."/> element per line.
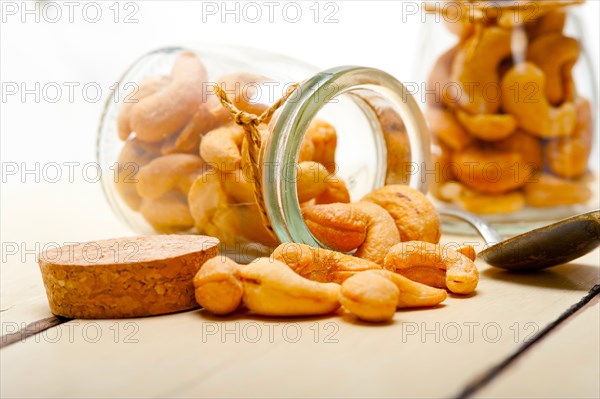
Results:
<point x="250" y="122"/>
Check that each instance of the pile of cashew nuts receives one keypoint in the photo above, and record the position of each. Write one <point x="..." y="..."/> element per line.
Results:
<point x="384" y="255"/>
<point x="183" y="165"/>
<point x="511" y="127"/>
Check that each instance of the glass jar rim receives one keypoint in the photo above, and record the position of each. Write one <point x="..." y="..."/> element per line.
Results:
<point x="283" y="145"/>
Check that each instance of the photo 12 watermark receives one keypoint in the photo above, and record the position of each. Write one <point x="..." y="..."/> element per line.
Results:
<point x="254" y="12"/>
<point x="489" y="332"/>
<point x="89" y="332"/>
<point x="54" y="12"/>
<point x="70" y="92"/>
<point x="252" y="332"/>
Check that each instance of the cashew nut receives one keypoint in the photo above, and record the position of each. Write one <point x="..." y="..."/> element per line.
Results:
<point x="335" y="191"/>
<point x="461" y="27"/>
<point x="209" y="116"/>
<point x="475" y="69"/>
<point x="221" y="147"/>
<point x="414" y="215"/>
<point x="488" y="127"/>
<point x="433" y="265"/>
<point x="311" y="180"/>
<point x="307" y="150"/>
<point x="439" y="81"/>
<point x="319" y="264"/>
<point x="206" y="195"/>
<point x="548" y="190"/>
<point x="450" y="191"/>
<point x="324" y="139"/>
<point x="163" y="113"/>
<point x="343" y="226"/>
<point x="484" y="204"/>
<point x="551" y="22"/>
<point x="446" y="127"/>
<point x="239" y="186"/>
<point x="217" y="284"/>
<point x="412" y="293"/>
<point x="382" y="232"/>
<point x="216" y="214"/>
<point x="528" y="146"/>
<point x="133" y="156"/>
<point x="442" y="161"/>
<point x="468" y="251"/>
<point x="398" y="157"/>
<point x="568" y="157"/>
<point x="166" y="173"/>
<point x="475" y="202"/>
<point x="523" y="97"/>
<point x="339" y="226"/>
<point x="583" y="124"/>
<point x="370" y="297"/>
<point x="167" y="214"/>
<point x="225" y="224"/>
<point x="271" y="288"/>
<point x="388" y="117"/>
<point x="251" y="224"/>
<point x="489" y="170"/>
<point x="555" y="55"/>
<point x="146" y="88"/>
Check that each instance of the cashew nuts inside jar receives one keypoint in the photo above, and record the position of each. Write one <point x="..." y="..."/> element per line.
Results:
<point x="233" y="143"/>
<point x="509" y="100"/>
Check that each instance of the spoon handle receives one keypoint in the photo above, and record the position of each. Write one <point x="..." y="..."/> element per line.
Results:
<point x="487" y="232"/>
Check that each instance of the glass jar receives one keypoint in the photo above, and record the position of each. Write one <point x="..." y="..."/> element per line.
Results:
<point x="175" y="161"/>
<point x="509" y="102"/>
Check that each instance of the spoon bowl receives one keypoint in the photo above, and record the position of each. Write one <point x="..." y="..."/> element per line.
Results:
<point x="548" y="246"/>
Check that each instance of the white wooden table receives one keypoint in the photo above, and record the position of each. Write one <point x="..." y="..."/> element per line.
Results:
<point x="440" y="352"/>
<point x="452" y="350"/>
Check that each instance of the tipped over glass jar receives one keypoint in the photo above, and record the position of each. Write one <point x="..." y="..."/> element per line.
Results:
<point x="177" y="160"/>
<point x="511" y="110"/>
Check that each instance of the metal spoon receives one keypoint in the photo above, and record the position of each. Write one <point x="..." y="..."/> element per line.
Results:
<point x="552" y="245"/>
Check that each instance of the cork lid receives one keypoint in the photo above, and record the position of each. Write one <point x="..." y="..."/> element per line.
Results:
<point x="127" y="250"/>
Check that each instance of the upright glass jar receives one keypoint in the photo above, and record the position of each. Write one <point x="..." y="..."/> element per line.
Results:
<point x="175" y="161"/>
<point x="509" y="103"/>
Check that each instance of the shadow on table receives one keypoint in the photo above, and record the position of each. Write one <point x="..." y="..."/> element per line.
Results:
<point x="570" y="276"/>
<point x="245" y="315"/>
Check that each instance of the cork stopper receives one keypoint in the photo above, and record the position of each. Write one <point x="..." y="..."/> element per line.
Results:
<point x="124" y="277"/>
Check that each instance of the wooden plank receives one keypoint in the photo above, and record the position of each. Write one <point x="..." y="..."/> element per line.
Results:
<point x="490" y="375"/>
<point x="194" y="354"/>
<point x="565" y="365"/>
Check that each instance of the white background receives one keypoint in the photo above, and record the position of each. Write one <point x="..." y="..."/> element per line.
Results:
<point x="371" y="33"/>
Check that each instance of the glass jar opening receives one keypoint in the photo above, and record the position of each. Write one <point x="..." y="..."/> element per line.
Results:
<point x="366" y="88"/>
